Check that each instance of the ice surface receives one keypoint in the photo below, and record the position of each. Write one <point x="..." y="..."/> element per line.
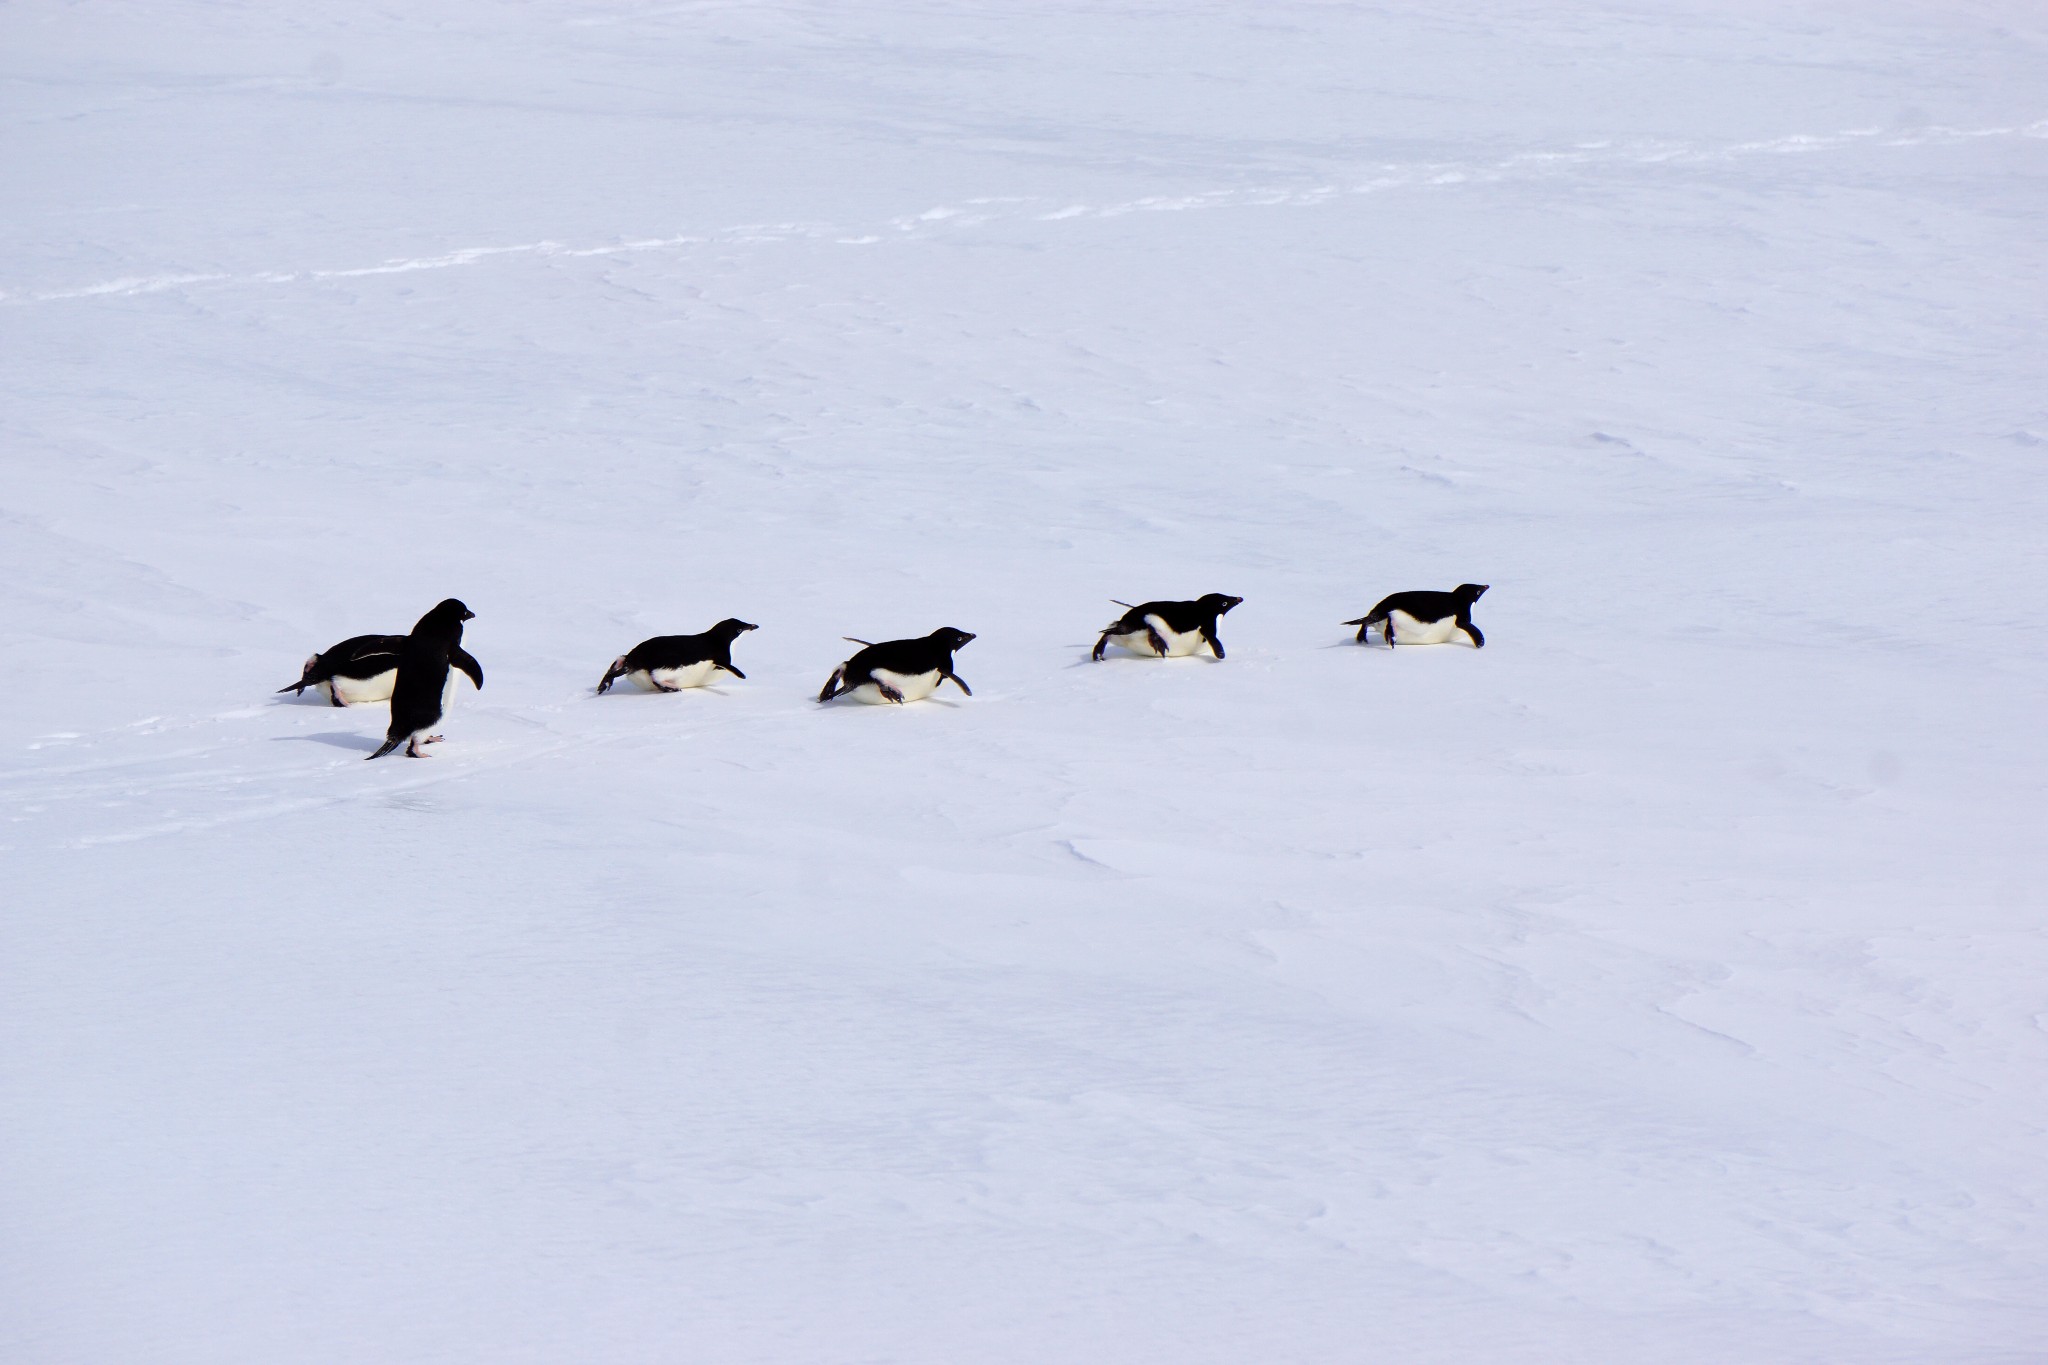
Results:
<point x="1662" y="982"/>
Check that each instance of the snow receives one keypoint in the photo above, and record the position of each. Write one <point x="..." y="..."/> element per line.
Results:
<point x="1661" y="982"/>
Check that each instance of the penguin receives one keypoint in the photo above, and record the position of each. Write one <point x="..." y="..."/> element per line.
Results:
<point x="898" y="670"/>
<point x="362" y="669"/>
<point x="419" y="696"/>
<point x="1168" y="630"/>
<point x="1425" y="618"/>
<point x="669" y="663"/>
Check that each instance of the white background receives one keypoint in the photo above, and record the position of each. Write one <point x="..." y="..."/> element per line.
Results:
<point x="1663" y="982"/>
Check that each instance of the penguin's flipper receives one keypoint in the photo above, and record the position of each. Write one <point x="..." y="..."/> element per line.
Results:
<point x="1478" y="640"/>
<point x="960" y="682"/>
<point x="734" y="671"/>
<point x="1125" y="605"/>
<point x="1100" y="645"/>
<point x="334" y="694"/>
<point x="856" y="640"/>
<point x="613" y="674"/>
<point x="832" y="688"/>
<point x="389" y="745"/>
<point x="1215" y="645"/>
<point x="463" y="660"/>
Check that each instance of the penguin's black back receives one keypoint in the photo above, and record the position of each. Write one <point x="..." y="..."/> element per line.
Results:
<point x="1181" y="618"/>
<point x="422" y="679"/>
<point x="680" y="651"/>
<point x="359" y="656"/>
<point x="1428" y="606"/>
<point x="908" y="657"/>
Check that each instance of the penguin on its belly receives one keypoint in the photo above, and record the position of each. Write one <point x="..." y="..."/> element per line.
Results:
<point x="1425" y="618"/>
<point x="1168" y="630"/>
<point x="670" y="663"/>
<point x="897" y="671"/>
<point x="363" y="669"/>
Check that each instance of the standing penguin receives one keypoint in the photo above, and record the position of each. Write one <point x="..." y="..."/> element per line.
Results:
<point x="1168" y="630"/>
<point x="1425" y="618"/>
<point x="898" y="670"/>
<point x="669" y="663"/>
<point x="363" y="669"/>
<point x="419" y="696"/>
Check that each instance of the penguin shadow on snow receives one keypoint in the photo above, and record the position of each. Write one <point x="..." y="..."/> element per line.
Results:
<point x="339" y="739"/>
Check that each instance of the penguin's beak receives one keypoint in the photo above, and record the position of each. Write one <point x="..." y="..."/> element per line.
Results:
<point x="468" y="615"/>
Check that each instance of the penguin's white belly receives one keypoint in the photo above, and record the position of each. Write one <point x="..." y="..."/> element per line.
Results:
<point x="913" y="686"/>
<point x="689" y="675"/>
<point x="1178" y="646"/>
<point x="361" y="691"/>
<point x="1409" y="631"/>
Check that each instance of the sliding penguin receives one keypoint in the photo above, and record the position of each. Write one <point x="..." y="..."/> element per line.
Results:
<point x="1425" y="618"/>
<point x="360" y="669"/>
<point x="670" y="663"/>
<point x="419" y="696"/>
<point x="363" y="668"/>
<point x="1168" y="630"/>
<point x="898" y="670"/>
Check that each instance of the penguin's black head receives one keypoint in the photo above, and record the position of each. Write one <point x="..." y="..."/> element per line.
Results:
<point x="949" y="637"/>
<point x="1471" y="591"/>
<point x="732" y="627"/>
<point x="449" y="612"/>
<point x="1219" y="602"/>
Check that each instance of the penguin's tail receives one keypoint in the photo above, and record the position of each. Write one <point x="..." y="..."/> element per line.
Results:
<point x="612" y="674"/>
<point x="1365" y="624"/>
<point x="389" y="745"/>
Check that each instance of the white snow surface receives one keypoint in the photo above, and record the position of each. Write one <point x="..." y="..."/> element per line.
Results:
<point x="1663" y="982"/>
